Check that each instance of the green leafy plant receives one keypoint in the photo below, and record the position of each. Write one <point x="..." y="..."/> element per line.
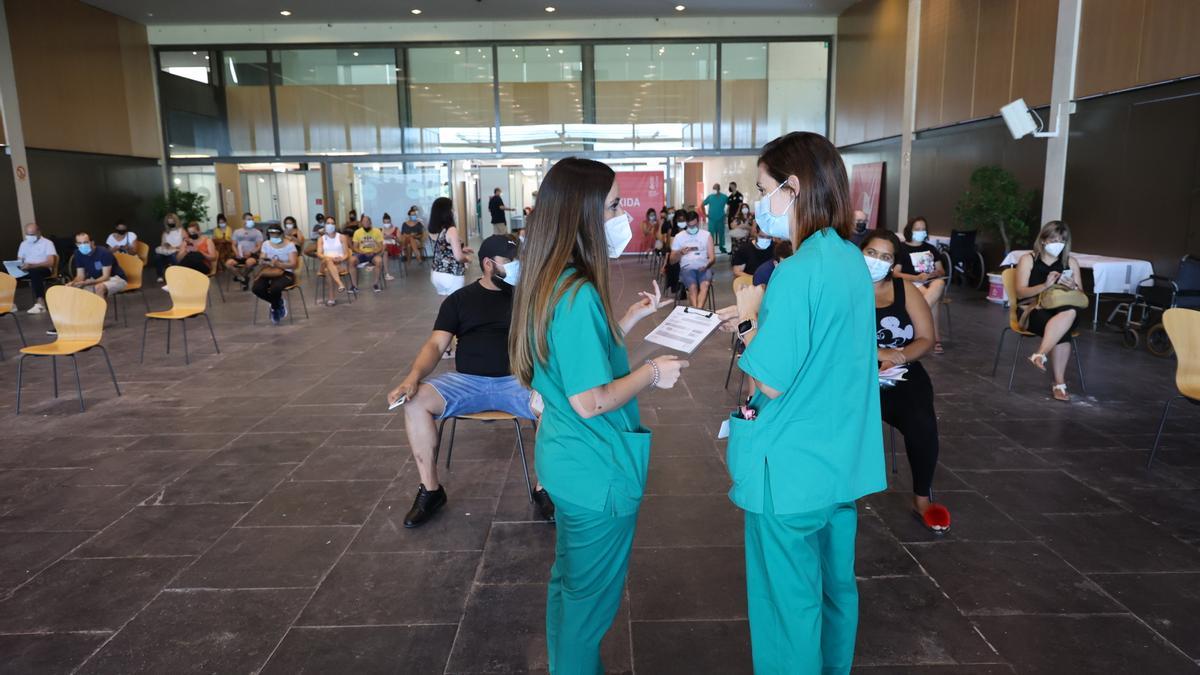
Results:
<point x="188" y="206"/>
<point x="994" y="201"/>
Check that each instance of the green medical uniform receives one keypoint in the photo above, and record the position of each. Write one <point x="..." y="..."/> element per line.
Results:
<point x="798" y="467"/>
<point x="595" y="470"/>
<point x="714" y="206"/>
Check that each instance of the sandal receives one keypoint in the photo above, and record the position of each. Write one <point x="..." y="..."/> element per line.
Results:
<point x="936" y="518"/>
<point x="938" y="350"/>
<point x="1039" y="361"/>
<point x="1059" y="392"/>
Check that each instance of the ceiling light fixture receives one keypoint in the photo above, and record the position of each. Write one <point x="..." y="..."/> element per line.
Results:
<point x="356" y="53"/>
<point x="285" y="12"/>
<point x="679" y="8"/>
<point x="551" y="10"/>
<point x="416" y="11"/>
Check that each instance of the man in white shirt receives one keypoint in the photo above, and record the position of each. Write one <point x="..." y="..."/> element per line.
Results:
<point x="39" y="259"/>
<point x="693" y="250"/>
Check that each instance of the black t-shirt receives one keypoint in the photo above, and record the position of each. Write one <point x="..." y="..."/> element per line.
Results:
<point x="752" y="256"/>
<point x="735" y="204"/>
<point x="479" y="318"/>
<point x="925" y="254"/>
<point x="496" y="206"/>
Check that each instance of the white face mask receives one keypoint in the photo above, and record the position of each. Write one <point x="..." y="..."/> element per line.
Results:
<point x="1055" y="249"/>
<point x="878" y="268"/>
<point x="617" y="234"/>
<point x="920" y="236"/>
<point x="31" y="238"/>
<point x="512" y="272"/>
<point x="763" y="243"/>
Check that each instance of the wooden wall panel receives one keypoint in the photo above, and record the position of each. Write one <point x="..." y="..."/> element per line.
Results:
<point x="931" y="62"/>
<point x="1033" y="58"/>
<point x="138" y="74"/>
<point x="249" y="118"/>
<point x="1170" y="40"/>
<point x="326" y="118"/>
<point x="870" y="70"/>
<point x="1110" y="42"/>
<point x="958" y="88"/>
<point x="994" y="56"/>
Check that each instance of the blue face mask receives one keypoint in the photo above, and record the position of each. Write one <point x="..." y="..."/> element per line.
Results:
<point x="777" y="226"/>
<point x="512" y="272"/>
<point x="276" y="240"/>
<point x="85" y="249"/>
<point x="763" y="243"/>
<point x="693" y="229"/>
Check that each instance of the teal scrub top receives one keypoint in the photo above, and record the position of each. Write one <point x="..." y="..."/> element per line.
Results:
<point x="822" y="436"/>
<point x="598" y="463"/>
<point x="714" y="206"/>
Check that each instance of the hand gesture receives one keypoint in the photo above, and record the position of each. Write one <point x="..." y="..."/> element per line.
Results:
<point x="650" y="303"/>
<point x="669" y="368"/>
<point x="1052" y="278"/>
<point x="407" y="389"/>
<point x="729" y="318"/>
<point x="749" y="300"/>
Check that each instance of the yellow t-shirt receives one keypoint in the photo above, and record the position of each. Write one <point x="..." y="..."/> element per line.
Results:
<point x="221" y="233"/>
<point x="368" y="242"/>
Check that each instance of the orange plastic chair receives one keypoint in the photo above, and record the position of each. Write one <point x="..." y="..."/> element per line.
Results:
<point x="189" y="299"/>
<point x="1010" y="289"/>
<point x="143" y="251"/>
<point x="8" y="289"/>
<point x="1183" y="328"/>
<point x="133" y="267"/>
<point x="78" y="316"/>
<point x="295" y="286"/>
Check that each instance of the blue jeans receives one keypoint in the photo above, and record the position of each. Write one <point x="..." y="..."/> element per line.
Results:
<point x="693" y="277"/>
<point x="465" y="394"/>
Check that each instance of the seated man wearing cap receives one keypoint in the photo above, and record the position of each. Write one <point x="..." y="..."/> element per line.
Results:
<point x="478" y="315"/>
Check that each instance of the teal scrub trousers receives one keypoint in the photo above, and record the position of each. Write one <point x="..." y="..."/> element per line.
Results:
<point x="591" y="558"/>
<point x="800" y="589"/>
<point x="717" y="230"/>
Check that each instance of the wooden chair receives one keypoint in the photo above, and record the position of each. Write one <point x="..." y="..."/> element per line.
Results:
<point x="78" y="316"/>
<point x="8" y="289"/>
<point x="1010" y="288"/>
<point x="133" y="267"/>
<point x="739" y="282"/>
<point x="189" y="299"/>
<point x="486" y="417"/>
<point x="295" y="286"/>
<point x="1183" y="328"/>
<point x="143" y="251"/>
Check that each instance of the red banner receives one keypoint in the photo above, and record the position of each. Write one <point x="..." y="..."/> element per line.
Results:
<point x="865" y="183"/>
<point x="640" y="191"/>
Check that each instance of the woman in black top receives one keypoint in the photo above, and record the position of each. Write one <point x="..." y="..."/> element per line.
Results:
<point x="921" y="263"/>
<point x="904" y="334"/>
<point x="1050" y="264"/>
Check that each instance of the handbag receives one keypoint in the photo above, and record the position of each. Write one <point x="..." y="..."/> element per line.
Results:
<point x="1054" y="297"/>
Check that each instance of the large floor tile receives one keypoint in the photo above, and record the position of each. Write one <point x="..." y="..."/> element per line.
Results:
<point x="460" y="525"/>
<point x="1030" y="492"/>
<point x="27" y="553"/>
<point x="317" y="503"/>
<point x="164" y="530"/>
<point x="1119" y="542"/>
<point x="268" y="557"/>
<point x="689" y="521"/>
<point x="74" y="508"/>
<point x="695" y="583"/>
<point x="47" y="653"/>
<point x="909" y="621"/>
<point x="518" y="553"/>
<point x="225" y="484"/>
<point x="700" y="647"/>
<point x="352" y="463"/>
<point x="1168" y="603"/>
<point x="363" y="650"/>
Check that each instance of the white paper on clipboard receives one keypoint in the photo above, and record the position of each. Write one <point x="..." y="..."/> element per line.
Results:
<point x="684" y="329"/>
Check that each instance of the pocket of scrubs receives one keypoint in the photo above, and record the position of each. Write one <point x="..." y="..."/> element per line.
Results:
<point x="738" y="452"/>
<point x="632" y="460"/>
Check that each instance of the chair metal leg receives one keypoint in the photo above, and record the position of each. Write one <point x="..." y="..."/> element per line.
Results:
<point x="111" y="372"/>
<point x="1016" y="353"/>
<point x="216" y="347"/>
<point x="20" y="332"/>
<point x="145" y="327"/>
<point x="524" y="463"/>
<point x="78" y="385"/>
<point x="729" y="373"/>
<point x="169" y="322"/>
<point x="1153" y="451"/>
<point x="999" y="348"/>
<point x="219" y="289"/>
<point x="303" y="301"/>
<point x="145" y="301"/>
<point x="186" y="356"/>
<point x="54" y="370"/>
<point x="20" y="371"/>
<point x="437" y="449"/>
<point x="1078" y="366"/>
<point x="450" y="448"/>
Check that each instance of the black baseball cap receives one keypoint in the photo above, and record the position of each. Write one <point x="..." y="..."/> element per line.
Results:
<point x="498" y="246"/>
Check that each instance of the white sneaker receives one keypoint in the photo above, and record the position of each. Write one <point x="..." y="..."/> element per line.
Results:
<point x="389" y="277"/>
<point x="363" y="265"/>
<point x="166" y="289"/>
<point x="37" y="308"/>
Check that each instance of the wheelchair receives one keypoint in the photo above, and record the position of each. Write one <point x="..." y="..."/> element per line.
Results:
<point x="966" y="262"/>
<point x="1154" y="296"/>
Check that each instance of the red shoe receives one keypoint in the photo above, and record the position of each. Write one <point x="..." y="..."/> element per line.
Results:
<point x="936" y="518"/>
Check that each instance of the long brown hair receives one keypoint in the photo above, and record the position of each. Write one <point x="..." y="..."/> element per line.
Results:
<point x="824" y="196"/>
<point x="566" y="230"/>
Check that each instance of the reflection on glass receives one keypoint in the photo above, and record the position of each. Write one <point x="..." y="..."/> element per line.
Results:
<point x="655" y="96"/>
<point x="744" y="95"/>
<point x="193" y="65"/>
<point x="203" y="181"/>
<point x="451" y="100"/>
<point x="540" y="98"/>
<point x="797" y="84"/>
<point x="248" y="103"/>
<point x="394" y="187"/>
<point x="337" y="101"/>
<point x="194" y="125"/>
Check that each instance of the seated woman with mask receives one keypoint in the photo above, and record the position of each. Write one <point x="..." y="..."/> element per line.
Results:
<point x="905" y="333"/>
<point x="921" y="264"/>
<point x="1050" y="264"/>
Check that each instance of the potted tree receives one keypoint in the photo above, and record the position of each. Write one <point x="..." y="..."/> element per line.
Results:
<point x="995" y="202"/>
<point x="189" y="206"/>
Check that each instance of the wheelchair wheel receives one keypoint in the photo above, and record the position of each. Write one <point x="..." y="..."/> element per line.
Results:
<point x="1130" y="338"/>
<point x="1158" y="342"/>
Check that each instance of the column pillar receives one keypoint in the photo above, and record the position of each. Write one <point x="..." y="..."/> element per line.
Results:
<point x="14" y="134"/>
<point x="1062" y="90"/>
<point x="908" y="117"/>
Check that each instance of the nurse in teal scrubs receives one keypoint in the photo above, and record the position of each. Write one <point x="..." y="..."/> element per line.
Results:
<point x="814" y="445"/>
<point x="592" y="451"/>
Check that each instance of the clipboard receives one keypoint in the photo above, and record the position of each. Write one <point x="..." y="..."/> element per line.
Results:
<point x="684" y="329"/>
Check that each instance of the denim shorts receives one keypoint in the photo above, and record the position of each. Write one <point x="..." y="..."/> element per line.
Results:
<point x="693" y="277"/>
<point x="465" y="394"/>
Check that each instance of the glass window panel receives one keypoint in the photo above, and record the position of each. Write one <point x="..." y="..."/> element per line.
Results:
<point x="651" y="96"/>
<point x="193" y="65"/>
<point x="393" y="188"/>
<point x="337" y="101"/>
<point x="541" y="92"/>
<point x="248" y="103"/>
<point x="744" y="95"/>
<point x="451" y="100"/>
<point x="797" y="86"/>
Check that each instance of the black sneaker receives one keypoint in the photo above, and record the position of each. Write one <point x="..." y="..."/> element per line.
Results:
<point x="544" y="503"/>
<point x="424" y="506"/>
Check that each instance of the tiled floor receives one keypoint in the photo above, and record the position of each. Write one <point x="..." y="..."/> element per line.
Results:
<point x="244" y="513"/>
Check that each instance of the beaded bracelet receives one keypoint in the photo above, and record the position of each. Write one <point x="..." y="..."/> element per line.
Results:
<point x="655" y="376"/>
